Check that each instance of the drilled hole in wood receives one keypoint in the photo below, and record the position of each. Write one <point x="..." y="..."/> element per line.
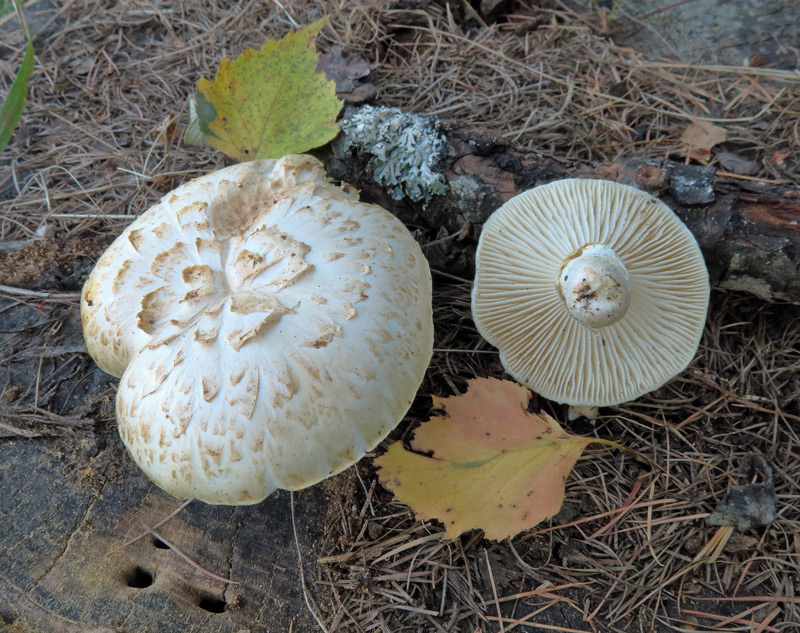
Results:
<point x="157" y="542"/>
<point x="212" y="605"/>
<point x="140" y="578"/>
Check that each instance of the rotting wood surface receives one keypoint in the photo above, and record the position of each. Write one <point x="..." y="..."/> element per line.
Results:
<point x="749" y="231"/>
<point x="68" y="501"/>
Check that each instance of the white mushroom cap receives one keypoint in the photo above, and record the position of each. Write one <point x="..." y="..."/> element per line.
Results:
<point x="594" y="292"/>
<point x="268" y="328"/>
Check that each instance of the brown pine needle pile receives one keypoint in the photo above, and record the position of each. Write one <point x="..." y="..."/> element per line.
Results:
<point x="100" y="142"/>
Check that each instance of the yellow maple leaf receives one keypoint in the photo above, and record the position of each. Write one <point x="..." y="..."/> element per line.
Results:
<point x="269" y="103"/>
<point x="494" y="466"/>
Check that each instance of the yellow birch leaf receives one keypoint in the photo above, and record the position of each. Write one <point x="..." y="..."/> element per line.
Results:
<point x="494" y="466"/>
<point x="271" y="102"/>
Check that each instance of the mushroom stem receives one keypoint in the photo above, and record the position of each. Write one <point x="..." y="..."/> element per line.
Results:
<point x="586" y="411"/>
<point x="595" y="286"/>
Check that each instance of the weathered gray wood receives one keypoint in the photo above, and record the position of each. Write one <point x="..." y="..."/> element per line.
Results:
<point x="744" y="32"/>
<point x="66" y="502"/>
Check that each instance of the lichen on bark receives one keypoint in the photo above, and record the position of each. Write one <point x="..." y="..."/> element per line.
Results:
<point x="404" y="150"/>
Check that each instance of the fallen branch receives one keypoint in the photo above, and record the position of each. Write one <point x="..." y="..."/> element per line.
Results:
<point x="749" y="231"/>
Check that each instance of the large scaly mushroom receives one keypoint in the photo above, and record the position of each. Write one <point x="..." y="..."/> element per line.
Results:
<point x="268" y="329"/>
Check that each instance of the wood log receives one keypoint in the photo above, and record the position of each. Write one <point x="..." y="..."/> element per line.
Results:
<point x="70" y="502"/>
<point x="749" y="231"/>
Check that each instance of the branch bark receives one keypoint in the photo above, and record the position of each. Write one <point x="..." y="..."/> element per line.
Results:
<point x="749" y="232"/>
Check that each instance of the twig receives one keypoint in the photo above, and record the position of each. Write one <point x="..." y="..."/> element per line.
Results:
<point x="579" y="17"/>
<point x="640" y="18"/>
<point x="734" y="619"/>
<point x="494" y="591"/>
<point x="189" y="560"/>
<point x="708" y="554"/>
<point x="171" y="515"/>
<point x="39" y="294"/>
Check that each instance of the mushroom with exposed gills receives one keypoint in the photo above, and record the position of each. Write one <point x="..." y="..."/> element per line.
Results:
<point x="268" y="328"/>
<point x="594" y="292"/>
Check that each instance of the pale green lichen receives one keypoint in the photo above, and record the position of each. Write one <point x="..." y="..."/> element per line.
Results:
<point x="405" y="149"/>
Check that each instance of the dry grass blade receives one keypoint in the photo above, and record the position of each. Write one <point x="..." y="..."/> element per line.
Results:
<point x="306" y="595"/>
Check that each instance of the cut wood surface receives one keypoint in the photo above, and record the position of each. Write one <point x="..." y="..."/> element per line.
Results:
<point x="749" y="231"/>
<point x="69" y="501"/>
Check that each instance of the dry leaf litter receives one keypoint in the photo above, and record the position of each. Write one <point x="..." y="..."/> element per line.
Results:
<point x="100" y="142"/>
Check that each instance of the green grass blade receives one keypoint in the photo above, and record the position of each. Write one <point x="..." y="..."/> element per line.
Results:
<point x="6" y="7"/>
<point x="11" y="110"/>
